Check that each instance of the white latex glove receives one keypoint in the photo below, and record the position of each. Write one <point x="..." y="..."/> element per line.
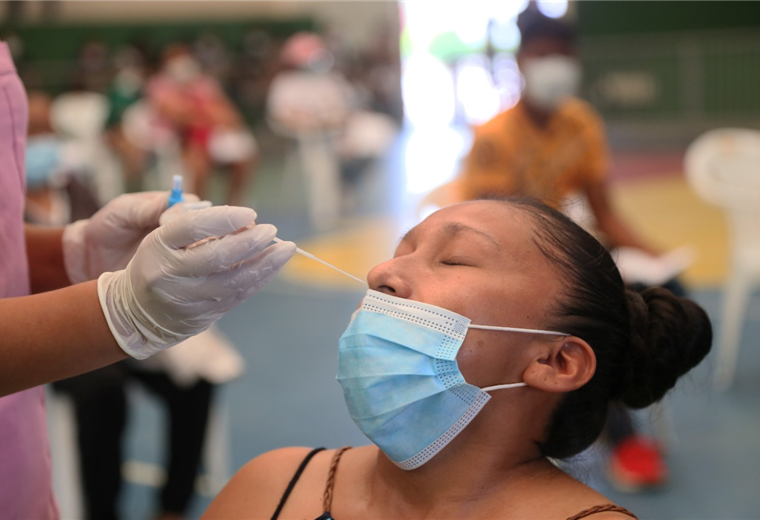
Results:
<point x="107" y="240"/>
<point x="169" y="292"/>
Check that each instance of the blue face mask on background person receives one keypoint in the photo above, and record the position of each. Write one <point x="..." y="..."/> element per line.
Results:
<point x="43" y="161"/>
<point x="402" y="385"/>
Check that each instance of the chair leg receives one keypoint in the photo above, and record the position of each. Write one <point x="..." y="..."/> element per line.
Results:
<point x="735" y="296"/>
<point x="217" y="458"/>
<point x="319" y="164"/>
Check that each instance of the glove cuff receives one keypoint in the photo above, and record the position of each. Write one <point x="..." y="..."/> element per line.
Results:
<point x="135" y="332"/>
<point x="75" y="252"/>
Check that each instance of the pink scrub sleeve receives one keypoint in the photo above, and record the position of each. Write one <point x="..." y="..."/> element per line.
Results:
<point x="25" y="473"/>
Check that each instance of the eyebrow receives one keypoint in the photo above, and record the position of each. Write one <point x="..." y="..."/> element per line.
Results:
<point x="454" y="228"/>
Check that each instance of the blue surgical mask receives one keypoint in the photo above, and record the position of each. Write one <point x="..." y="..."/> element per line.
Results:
<point x="43" y="154"/>
<point x="397" y="366"/>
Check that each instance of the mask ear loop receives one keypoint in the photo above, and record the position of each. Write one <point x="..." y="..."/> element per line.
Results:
<point x="513" y="329"/>
<point x="502" y="387"/>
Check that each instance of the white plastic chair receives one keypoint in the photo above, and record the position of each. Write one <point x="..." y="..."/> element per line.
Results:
<point x="80" y="117"/>
<point x="723" y="167"/>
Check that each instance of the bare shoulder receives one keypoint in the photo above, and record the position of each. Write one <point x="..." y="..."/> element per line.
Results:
<point x="255" y="490"/>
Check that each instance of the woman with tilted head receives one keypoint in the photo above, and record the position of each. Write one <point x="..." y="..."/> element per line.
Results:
<point x="491" y="345"/>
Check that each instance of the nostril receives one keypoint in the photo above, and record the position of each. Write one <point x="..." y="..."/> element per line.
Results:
<point x="386" y="289"/>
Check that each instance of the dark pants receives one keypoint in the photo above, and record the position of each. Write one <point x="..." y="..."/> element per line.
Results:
<point x="101" y="410"/>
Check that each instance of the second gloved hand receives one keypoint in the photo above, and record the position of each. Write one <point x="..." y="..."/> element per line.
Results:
<point x="169" y="292"/>
<point x="107" y="240"/>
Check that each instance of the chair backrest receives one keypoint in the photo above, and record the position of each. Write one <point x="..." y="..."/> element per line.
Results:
<point x="723" y="167"/>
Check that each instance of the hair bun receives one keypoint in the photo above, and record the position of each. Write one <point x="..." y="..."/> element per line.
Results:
<point x="669" y="337"/>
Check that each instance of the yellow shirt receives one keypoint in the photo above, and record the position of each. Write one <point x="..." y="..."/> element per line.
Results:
<point x="512" y="156"/>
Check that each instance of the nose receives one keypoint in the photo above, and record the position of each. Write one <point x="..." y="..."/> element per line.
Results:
<point x="391" y="278"/>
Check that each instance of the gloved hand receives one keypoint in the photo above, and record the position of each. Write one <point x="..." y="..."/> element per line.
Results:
<point x="107" y="240"/>
<point x="169" y="292"/>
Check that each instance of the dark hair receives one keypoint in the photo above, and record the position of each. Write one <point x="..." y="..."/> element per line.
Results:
<point x="534" y="25"/>
<point x="643" y="342"/>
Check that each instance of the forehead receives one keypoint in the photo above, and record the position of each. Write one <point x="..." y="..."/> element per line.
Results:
<point x="507" y="226"/>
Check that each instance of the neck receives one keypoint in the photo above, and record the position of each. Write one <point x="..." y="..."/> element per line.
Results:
<point x="479" y="469"/>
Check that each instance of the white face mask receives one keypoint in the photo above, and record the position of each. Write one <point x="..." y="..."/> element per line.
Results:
<point x="549" y="80"/>
<point x="183" y="69"/>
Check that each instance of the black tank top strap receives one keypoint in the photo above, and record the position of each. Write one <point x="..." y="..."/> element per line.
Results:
<point x="602" y="509"/>
<point x="293" y="481"/>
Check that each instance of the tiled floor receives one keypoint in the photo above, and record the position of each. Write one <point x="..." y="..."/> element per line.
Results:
<point x="288" y="336"/>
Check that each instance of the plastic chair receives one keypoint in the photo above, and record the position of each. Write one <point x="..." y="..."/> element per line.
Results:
<point x="80" y="117"/>
<point x="723" y="167"/>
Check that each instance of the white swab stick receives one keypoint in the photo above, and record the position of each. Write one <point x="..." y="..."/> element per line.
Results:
<point x="309" y="255"/>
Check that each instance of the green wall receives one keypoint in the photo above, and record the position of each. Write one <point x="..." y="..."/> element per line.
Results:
<point x="598" y="17"/>
<point x="61" y="42"/>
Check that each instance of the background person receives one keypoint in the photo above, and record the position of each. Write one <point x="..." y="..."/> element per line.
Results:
<point x="210" y="128"/>
<point x="184" y="379"/>
<point x="551" y="145"/>
<point x="464" y="421"/>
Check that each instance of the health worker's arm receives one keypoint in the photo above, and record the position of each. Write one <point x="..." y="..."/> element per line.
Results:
<point x="167" y="293"/>
<point x="45" y="255"/>
<point x="52" y="336"/>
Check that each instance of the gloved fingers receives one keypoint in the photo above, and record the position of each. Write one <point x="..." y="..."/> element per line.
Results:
<point x="221" y="255"/>
<point x="183" y="207"/>
<point x="237" y="283"/>
<point x="194" y="226"/>
<point x="247" y="277"/>
<point x="135" y="210"/>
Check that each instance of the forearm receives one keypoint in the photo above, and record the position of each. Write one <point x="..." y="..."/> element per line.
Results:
<point x="614" y="229"/>
<point x="45" y="252"/>
<point x="52" y="336"/>
<point x="620" y="235"/>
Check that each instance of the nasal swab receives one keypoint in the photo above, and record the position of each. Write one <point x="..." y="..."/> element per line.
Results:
<point x="309" y="255"/>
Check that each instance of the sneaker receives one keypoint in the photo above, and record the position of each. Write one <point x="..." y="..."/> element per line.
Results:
<point x="637" y="464"/>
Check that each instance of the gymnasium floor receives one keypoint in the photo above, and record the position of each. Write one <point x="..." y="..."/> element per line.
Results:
<point x="288" y="336"/>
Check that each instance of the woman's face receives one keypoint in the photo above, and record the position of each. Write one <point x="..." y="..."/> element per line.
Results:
<point x="477" y="259"/>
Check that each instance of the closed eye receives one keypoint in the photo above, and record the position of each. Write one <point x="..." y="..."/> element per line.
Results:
<point x="456" y="261"/>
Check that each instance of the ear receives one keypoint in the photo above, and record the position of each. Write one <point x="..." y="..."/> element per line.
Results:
<point x="561" y="366"/>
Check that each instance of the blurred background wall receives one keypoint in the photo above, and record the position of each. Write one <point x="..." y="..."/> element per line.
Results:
<point x="663" y="72"/>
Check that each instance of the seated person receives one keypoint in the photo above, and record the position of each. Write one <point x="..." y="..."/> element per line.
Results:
<point x="552" y="145"/>
<point x="56" y="189"/>
<point x="210" y="127"/>
<point x="480" y="442"/>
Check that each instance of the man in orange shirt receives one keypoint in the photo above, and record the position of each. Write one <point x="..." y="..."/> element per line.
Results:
<point x="549" y="146"/>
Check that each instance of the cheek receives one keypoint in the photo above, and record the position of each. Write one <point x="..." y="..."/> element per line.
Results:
<point x="481" y="360"/>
